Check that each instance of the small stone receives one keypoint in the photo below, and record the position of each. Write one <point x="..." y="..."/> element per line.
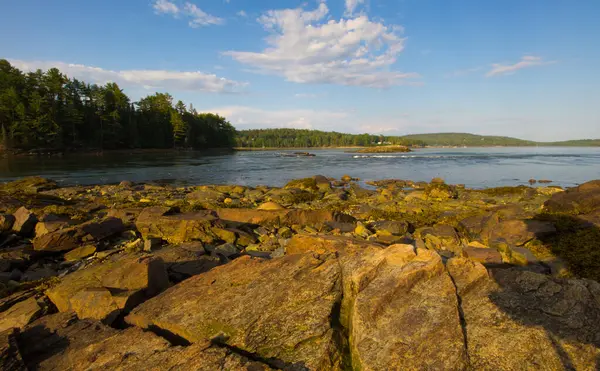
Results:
<point x="227" y="250"/>
<point x="346" y="178"/>
<point x="24" y="221"/>
<point x="483" y="255"/>
<point x="476" y="244"/>
<point x="438" y="181"/>
<point x="126" y="184"/>
<point x="285" y="232"/>
<point x="532" y="181"/>
<point x="361" y="230"/>
<point x="80" y="253"/>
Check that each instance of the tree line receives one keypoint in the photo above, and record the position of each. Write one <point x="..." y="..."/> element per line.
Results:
<point x="282" y="138"/>
<point x="49" y="111"/>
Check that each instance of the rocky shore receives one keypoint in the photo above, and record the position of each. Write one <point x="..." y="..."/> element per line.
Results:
<point x="322" y="274"/>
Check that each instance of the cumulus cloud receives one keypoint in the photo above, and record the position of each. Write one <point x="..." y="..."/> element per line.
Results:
<point x="527" y="61"/>
<point x="242" y="13"/>
<point x="307" y="46"/>
<point x="175" y="80"/>
<point x="197" y="17"/>
<point x="165" y="7"/>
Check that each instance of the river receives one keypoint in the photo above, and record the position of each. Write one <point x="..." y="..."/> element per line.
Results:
<point x="474" y="167"/>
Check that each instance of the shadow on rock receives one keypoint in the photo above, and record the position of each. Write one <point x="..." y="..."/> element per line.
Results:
<point x="560" y="318"/>
<point x="577" y="243"/>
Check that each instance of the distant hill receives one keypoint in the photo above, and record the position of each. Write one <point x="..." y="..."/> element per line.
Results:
<point x="469" y="140"/>
<point x="287" y="138"/>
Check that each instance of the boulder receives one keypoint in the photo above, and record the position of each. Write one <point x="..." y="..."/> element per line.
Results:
<point x="305" y="184"/>
<point x="70" y="238"/>
<point x="30" y="185"/>
<point x="472" y="227"/>
<point x="177" y="228"/>
<point x="204" y="194"/>
<point x="581" y="200"/>
<point x="518" y="232"/>
<point x="441" y="238"/>
<point x="276" y="309"/>
<point x="129" y="279"/>
<point x="24" y="222"/>
<point x="6" y="222"/>
<point x="517" y="320"/>
<point x="61" y="342"/>
<point x="20" y="314"/>
<point x="406" y="317"/>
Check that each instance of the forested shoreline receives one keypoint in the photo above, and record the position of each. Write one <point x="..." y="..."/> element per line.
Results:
<point x="48" y="111"/>
<point x="304" y="138"/>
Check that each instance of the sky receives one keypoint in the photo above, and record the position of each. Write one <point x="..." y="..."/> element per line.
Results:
<point x="527" y="69"/>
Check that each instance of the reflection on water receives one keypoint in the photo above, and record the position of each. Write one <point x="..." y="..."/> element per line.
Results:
<point x="474" y="167"/>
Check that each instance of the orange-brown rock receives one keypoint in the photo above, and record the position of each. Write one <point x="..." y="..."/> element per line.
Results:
<point x="278" y="309"/>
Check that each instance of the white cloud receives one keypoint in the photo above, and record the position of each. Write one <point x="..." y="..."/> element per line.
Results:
<point x="242" y="13"/>
<point x="310" y="47"/>
<point x="525" y="62"/>
<point x="165" y="7"/>
<point x="149" y="79"/>
<point x="198" y="17"/>
<point x="351" y="5"/>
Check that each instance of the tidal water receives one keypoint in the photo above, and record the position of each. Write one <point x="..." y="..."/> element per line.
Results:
<point x="474" y="167"/>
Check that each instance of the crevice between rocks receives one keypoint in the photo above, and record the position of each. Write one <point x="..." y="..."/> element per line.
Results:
<point x="463" y="321"/>
<point x="271" y="362"/>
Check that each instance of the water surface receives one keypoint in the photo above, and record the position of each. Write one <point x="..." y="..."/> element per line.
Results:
<point x="474" y="167"/>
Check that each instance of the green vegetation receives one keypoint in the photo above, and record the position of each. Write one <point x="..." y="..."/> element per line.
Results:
<point x="47" y="111"/>
<point x="469" y="140"/>
<point x="286" y="138"/>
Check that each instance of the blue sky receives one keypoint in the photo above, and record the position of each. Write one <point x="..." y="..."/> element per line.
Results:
<point x="528" y="69"/>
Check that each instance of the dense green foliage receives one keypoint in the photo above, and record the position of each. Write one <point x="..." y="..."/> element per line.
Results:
<point x="286" y="138"/>
<point x="281" y="138"/>
<point x="49" y="111"/>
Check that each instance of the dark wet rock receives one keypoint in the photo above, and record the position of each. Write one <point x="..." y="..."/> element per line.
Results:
<point x="6" y="222"/>
<point x="473" y="226"/>
<point x="185" y="261"/>
<point x="127" y="216"/>
<point x="36" y="273"/>
<point x="10" y="357"/>
<point x="516" y="319"/>
<point x="70" y="238"/>
<point x="24" y="222"/>
<point x="249" y="309"/>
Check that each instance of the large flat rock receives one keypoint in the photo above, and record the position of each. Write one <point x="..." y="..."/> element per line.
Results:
<point x="278" y="309"/>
